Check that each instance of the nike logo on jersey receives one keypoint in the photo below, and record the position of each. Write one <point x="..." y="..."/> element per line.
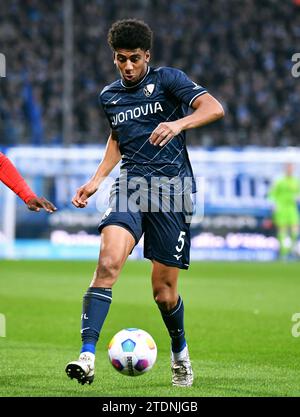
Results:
<point x="116" y="101"/>
<point x="177" y="257"/>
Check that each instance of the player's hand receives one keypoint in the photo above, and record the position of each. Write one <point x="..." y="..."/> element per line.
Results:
<point x="83" y="193"/>
<point x="164" y="132"/>
<point x="35" y="204"/>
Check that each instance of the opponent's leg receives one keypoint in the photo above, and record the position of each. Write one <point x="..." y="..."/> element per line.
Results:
<point x="164" y="285"/>
<point x="116" y="245"/>
<point x="282" y="235"/>
<point x="294" y="239"/>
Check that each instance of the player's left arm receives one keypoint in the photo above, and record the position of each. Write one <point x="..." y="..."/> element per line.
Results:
<point x="207" y="109"/>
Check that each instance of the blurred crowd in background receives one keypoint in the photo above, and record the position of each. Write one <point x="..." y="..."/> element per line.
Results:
<point x="240" y="50"/>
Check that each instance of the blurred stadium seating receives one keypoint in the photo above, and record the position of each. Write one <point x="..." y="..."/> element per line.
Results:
<point x="240" y="50"/>
<point x="232" y="219"/>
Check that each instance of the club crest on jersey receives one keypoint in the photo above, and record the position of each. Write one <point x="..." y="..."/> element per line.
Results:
<point x="148" y="89"/>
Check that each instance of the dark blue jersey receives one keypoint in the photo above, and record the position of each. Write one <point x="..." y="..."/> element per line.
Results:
<point x="162" y="95"/>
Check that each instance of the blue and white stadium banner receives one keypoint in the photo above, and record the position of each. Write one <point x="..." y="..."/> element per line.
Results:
<point x="232" y="221"/>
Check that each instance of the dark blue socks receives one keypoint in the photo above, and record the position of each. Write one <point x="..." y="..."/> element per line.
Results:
<point x="96" y="303"/>
<point x="173" y="320"/>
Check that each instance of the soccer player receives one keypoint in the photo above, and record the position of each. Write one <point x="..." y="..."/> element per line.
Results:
<point x="147" y="111"/>
<point x="284" y="193"/>
<point x="10" y="176"/>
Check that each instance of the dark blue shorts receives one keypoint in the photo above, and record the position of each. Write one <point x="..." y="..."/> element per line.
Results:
<point x="166" y="234"/>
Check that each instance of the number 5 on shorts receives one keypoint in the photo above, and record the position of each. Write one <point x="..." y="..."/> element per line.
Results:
<point x="181" y="242"/>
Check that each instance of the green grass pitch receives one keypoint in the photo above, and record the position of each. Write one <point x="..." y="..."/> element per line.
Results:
<point x="238" y="320"/>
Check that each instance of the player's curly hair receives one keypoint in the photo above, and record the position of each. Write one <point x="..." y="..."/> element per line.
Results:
<point x="130" y="34"/>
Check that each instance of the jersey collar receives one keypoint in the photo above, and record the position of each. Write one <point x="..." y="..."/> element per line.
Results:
<point x="140" y="82"/>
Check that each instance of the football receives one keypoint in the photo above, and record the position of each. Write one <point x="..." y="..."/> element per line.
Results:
<point x="132" y="351"/>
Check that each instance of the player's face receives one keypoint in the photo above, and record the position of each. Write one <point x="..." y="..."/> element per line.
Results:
<point x="289" y="169"/>
<point x="132" y="64"/>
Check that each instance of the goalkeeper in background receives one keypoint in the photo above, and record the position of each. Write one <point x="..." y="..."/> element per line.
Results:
<point x="284" y="193"/>
<point x="10" y="176"/>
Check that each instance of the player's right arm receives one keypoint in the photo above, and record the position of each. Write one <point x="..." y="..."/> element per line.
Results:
<point x="110" y="159"/>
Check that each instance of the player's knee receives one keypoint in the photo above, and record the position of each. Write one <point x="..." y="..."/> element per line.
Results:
<point x="165" y="299"/>
<point x="107" y="269"/>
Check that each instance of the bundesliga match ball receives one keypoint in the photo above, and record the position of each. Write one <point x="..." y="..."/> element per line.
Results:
<point x="132" y="352"/>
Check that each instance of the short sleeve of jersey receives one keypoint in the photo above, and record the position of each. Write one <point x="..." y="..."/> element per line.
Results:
<point x="180" y="85"/>
<point x="101" y="101"/>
